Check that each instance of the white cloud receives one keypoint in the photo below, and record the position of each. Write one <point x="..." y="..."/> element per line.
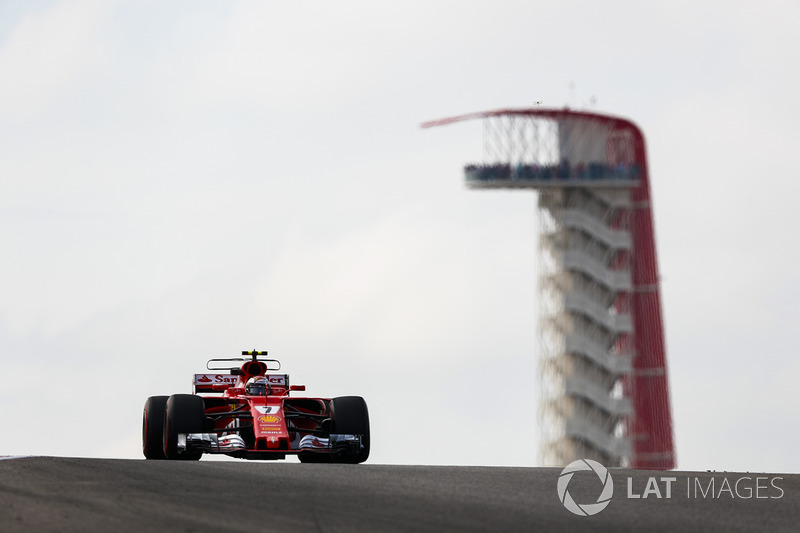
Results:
<point x="49" y="54"/>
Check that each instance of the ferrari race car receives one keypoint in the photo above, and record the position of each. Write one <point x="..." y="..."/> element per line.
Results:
<point x="246" y="412"/>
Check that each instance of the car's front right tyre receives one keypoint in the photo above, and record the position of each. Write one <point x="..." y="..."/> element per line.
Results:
<point x="153" y="427"/>
<point x="184" y="413"/>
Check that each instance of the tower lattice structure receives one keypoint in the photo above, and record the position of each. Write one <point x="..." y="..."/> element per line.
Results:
<point x="603" y="382"/>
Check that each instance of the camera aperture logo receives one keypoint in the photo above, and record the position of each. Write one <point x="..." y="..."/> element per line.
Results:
<point x="586" y="509"/>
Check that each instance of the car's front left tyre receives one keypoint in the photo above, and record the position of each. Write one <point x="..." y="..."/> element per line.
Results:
<point x="351" y="417"/>
<point x="184" y="413"/>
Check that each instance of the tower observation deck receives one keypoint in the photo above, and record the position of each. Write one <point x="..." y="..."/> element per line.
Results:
<point x="603" y="379"/>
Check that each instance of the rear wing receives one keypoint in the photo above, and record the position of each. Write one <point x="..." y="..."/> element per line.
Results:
<point x="226" y="363"/>
<point x="238" y="369"/>
<point x="219" y="382"/>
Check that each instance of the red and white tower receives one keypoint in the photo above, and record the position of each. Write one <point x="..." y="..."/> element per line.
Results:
<point x="604" y="391"/>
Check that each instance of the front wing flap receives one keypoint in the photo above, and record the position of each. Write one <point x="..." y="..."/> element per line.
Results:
<point x="213" y="443"/>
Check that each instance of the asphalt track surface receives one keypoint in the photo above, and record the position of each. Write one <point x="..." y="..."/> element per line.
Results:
<point x="67" y="494"/>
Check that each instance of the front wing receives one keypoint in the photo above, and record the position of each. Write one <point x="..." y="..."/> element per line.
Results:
<point x="232" y="443"/>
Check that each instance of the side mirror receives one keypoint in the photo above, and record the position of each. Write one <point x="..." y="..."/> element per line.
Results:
<point x="297" y="387"/>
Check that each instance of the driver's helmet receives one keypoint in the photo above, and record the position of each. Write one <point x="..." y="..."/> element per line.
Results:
<point x="256" y="387"/>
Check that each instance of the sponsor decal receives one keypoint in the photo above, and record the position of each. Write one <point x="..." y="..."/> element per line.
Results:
<point x="276" y="380"/>
<point x="269" y="419"/>
<point x="216" y="379"/>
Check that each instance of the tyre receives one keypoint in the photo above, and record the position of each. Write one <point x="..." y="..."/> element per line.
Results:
<point x="153" y="427"/>
<point x="351" y="417"/>
<point x="184" y="413"/>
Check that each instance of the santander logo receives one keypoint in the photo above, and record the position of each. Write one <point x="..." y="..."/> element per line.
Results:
<point x="205" y="379"/>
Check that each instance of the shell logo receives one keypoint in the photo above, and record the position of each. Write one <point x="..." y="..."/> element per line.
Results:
<point x="269" y="418"/>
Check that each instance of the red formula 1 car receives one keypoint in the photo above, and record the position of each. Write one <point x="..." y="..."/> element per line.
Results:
<point x="250" y="415"/>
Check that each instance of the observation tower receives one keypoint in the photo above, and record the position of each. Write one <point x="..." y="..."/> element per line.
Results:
<point x="603" y="378"/>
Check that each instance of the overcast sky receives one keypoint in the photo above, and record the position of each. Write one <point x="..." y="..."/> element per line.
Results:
<point x="184" y="180"/>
